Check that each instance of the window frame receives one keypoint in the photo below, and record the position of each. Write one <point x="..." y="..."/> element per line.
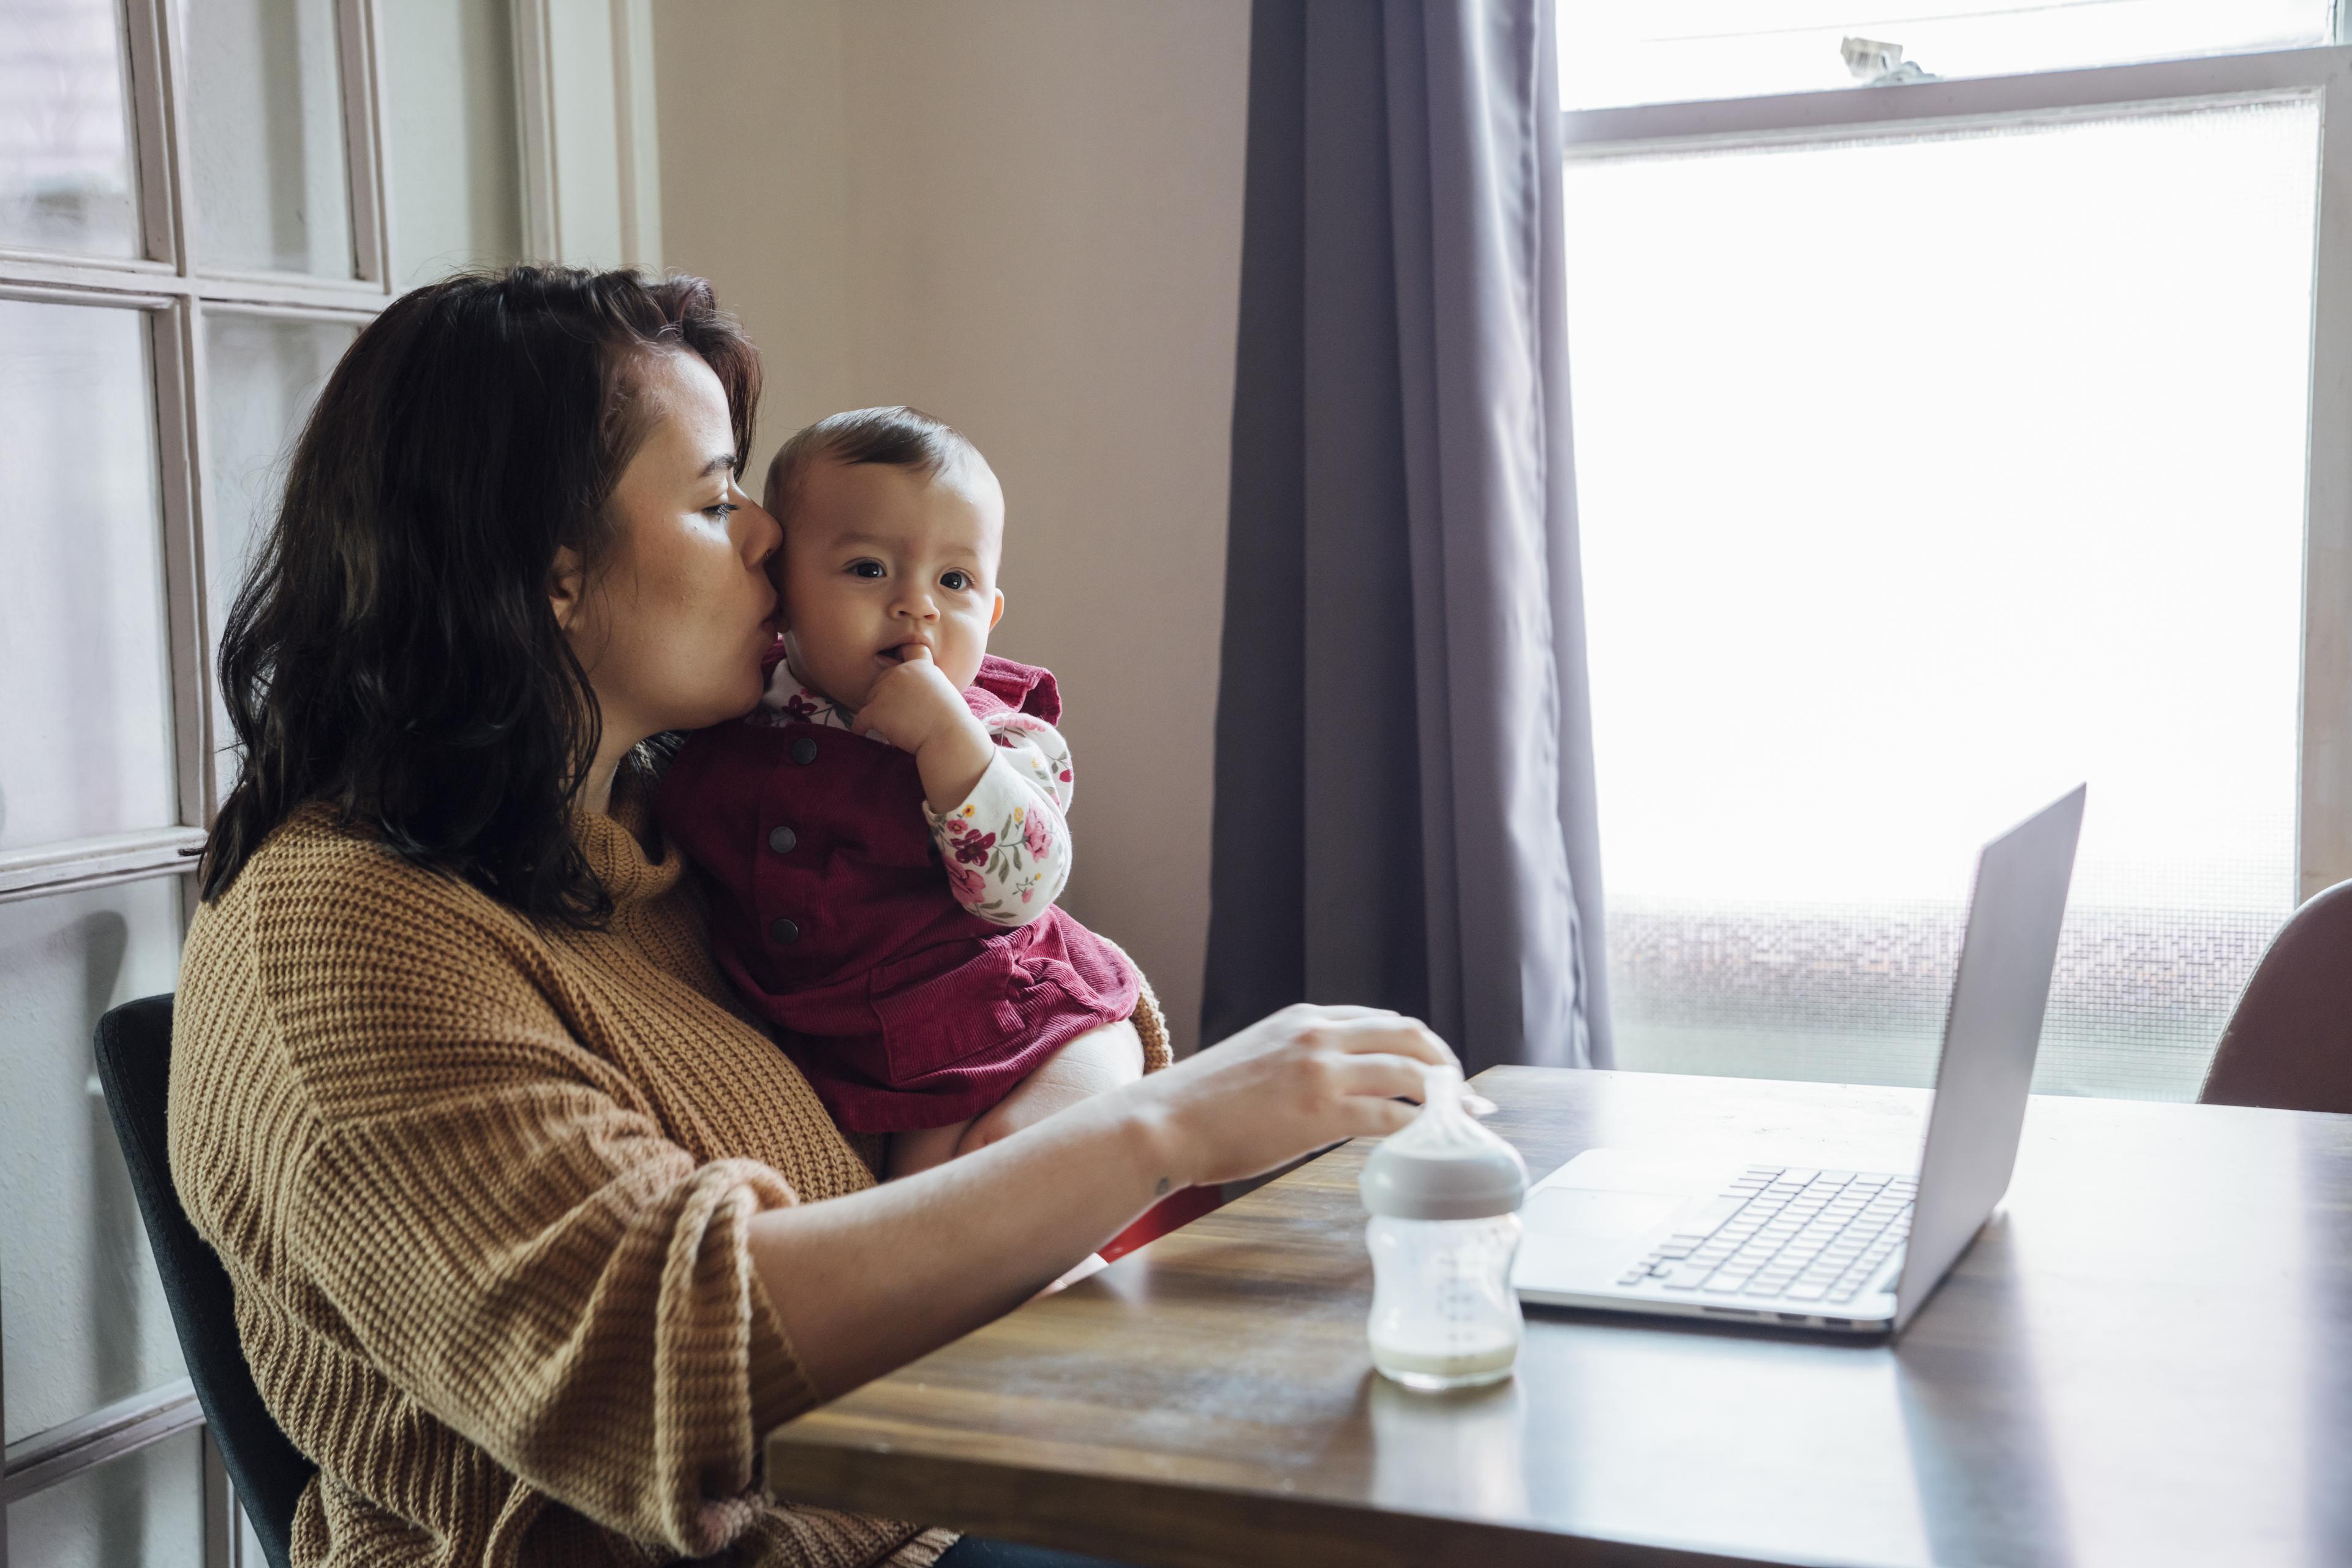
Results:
<point x="2321" y="75"/>
<point x="176" y="293"/>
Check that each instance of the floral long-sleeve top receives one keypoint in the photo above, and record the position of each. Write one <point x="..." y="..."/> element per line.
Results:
<point x="1007" y="846"/>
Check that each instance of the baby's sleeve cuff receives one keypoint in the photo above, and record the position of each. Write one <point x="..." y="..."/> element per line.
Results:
<point x="1005" y="847"/>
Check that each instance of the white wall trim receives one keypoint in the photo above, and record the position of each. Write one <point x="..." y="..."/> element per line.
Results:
<point x="357" y="55"/>
<point x="1910" y="108"/>
<point x="45" y="1459"/>
<point x="97" y="862"/>
<point x="639" y="133"/>
<point x="542" y="215"/>
<point x="590" y="142"/>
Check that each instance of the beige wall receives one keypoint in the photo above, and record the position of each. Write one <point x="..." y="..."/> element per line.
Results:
<point x="1025" y="217"/>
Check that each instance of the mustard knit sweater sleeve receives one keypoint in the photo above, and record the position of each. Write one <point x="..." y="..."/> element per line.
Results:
<point x="514" y="1244"/>
<point x="483" y="1188"/>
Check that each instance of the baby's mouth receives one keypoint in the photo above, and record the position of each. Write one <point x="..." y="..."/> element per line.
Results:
<point x="899" y="653"/>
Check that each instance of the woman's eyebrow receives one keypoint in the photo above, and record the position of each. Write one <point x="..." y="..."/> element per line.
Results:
<point x="723" y="463"/>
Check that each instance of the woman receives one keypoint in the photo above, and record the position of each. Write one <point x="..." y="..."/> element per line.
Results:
<point x="533" y="1235"/>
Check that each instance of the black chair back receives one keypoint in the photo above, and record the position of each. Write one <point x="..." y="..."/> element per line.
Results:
<point x="134" y="1064"/>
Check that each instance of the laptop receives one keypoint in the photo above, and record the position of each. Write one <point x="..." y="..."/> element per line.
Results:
<point x="1853" y="1252"/>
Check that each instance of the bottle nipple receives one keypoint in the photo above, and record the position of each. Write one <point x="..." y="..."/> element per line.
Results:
<point x="1443" y="1165"/>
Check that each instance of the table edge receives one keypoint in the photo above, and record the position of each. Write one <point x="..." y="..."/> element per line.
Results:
<point x="1224" y="1524"/>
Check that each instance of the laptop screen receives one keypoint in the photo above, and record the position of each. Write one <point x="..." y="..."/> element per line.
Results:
<point x="1989" y="1038"/>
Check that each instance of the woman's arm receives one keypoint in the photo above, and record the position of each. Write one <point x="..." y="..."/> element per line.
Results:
<point x="450" y="1209"/>
<point x="866" y="1283"/>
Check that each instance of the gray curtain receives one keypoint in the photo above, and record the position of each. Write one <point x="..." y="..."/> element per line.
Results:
<point x="1404" y="811"/>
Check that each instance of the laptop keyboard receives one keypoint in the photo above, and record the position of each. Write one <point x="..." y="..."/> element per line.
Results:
<point x="1786" y="1235"/>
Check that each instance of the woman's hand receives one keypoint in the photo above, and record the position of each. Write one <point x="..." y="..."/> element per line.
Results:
<point x="869" y="1281"/>
<point x="1291" y="1083"/>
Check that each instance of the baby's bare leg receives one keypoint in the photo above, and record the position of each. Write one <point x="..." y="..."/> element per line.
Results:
<point x="1096" y="1061"/>
<point x="919" y="1150"/>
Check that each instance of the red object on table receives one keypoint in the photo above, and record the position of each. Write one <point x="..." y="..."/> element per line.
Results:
<point x="1173" y="1211"/>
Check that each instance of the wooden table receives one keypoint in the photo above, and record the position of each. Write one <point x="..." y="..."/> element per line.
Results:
<point x="2146" y="1358"/>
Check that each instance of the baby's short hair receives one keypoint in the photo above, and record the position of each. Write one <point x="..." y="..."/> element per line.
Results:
<point x="896" y="435"/>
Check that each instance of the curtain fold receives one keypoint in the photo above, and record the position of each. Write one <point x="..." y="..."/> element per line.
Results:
<point x="1404" y="782"/>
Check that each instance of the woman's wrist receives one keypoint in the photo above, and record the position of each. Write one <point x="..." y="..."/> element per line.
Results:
<point x="1150" y="1137"/>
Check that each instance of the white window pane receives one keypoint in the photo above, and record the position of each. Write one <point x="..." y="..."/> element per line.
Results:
<point x="143" y="1510"/>
<point x="84" y="694"/>
<point x="66" y="163"/>
<point x="84" y="1313"/>
<point x="265" y="374"/>
<point x="271" y="190"/>
<point x="450" y="137"/>
<point x="1919" y="479"/>
<point x="1672" y="51"/>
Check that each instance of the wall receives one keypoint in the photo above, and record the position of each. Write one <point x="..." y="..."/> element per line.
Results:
<point x="1024" y="217"/>
<point x="755" y="186"/>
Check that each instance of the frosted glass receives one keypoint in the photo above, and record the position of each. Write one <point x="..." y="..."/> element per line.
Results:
<point x="85" y="1316"/>
<point x="450" y="137"/>
<point x="1921" y="478"/>
<point x="85" y="693"/>
<point x="1672" y="51"/>
<point x="266" y="373"/>
<point x="67" y="171"/>
<point x="143" y="1510"/>
<point x="271" y="189"/>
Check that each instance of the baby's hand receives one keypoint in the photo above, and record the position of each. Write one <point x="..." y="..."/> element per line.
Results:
<point x="917" y="708"/>
<point x="911" y="703"/>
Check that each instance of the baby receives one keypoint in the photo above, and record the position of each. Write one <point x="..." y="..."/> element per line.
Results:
<point x="883" y="836"/>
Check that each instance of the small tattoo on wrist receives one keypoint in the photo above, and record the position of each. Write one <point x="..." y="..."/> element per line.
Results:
<point x="1161" y="1189"/>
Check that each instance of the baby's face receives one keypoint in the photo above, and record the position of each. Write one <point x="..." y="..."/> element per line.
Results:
<point x="877" y="559"/>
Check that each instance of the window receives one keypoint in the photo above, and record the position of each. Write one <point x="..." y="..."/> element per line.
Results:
<point x="1667" y="51"/>
<point x="191" y="230"/>
<point x="1941" y="445"/>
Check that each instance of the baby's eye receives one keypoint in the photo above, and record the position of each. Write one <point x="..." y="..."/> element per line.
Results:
<point x="866" y="569"/>
<point x="955" y="581"/>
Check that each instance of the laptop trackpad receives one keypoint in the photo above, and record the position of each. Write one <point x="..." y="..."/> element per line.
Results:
<point x="1587" y="1220"/>
<point x="1596" y="1214"/>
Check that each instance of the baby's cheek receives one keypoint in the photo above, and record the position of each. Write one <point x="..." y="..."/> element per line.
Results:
<point x="975" y="648"/>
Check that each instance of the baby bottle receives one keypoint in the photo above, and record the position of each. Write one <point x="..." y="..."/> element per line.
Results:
<point x="1444" y="1196"/>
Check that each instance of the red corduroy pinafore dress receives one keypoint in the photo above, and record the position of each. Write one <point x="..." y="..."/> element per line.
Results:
<point x="831" y="913"/>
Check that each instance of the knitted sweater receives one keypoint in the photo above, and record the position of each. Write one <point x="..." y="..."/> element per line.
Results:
<point x="483" y="1187"/>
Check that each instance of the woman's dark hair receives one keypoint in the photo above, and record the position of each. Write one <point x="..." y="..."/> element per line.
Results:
<point x="895" y="436"/>
<point x="394" y="651"/>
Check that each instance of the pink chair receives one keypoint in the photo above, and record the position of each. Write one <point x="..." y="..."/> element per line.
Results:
<point x="2289" y="1044"/>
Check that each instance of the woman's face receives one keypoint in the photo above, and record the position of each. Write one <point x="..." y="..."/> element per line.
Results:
<point x="671" y="628"/>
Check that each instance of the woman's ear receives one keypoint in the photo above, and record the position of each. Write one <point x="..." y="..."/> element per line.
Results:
<point x="997" y="614"/>
<point x="566" y="586"/>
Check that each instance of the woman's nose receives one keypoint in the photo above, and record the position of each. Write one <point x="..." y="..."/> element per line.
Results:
<point x="763" y="535"/>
